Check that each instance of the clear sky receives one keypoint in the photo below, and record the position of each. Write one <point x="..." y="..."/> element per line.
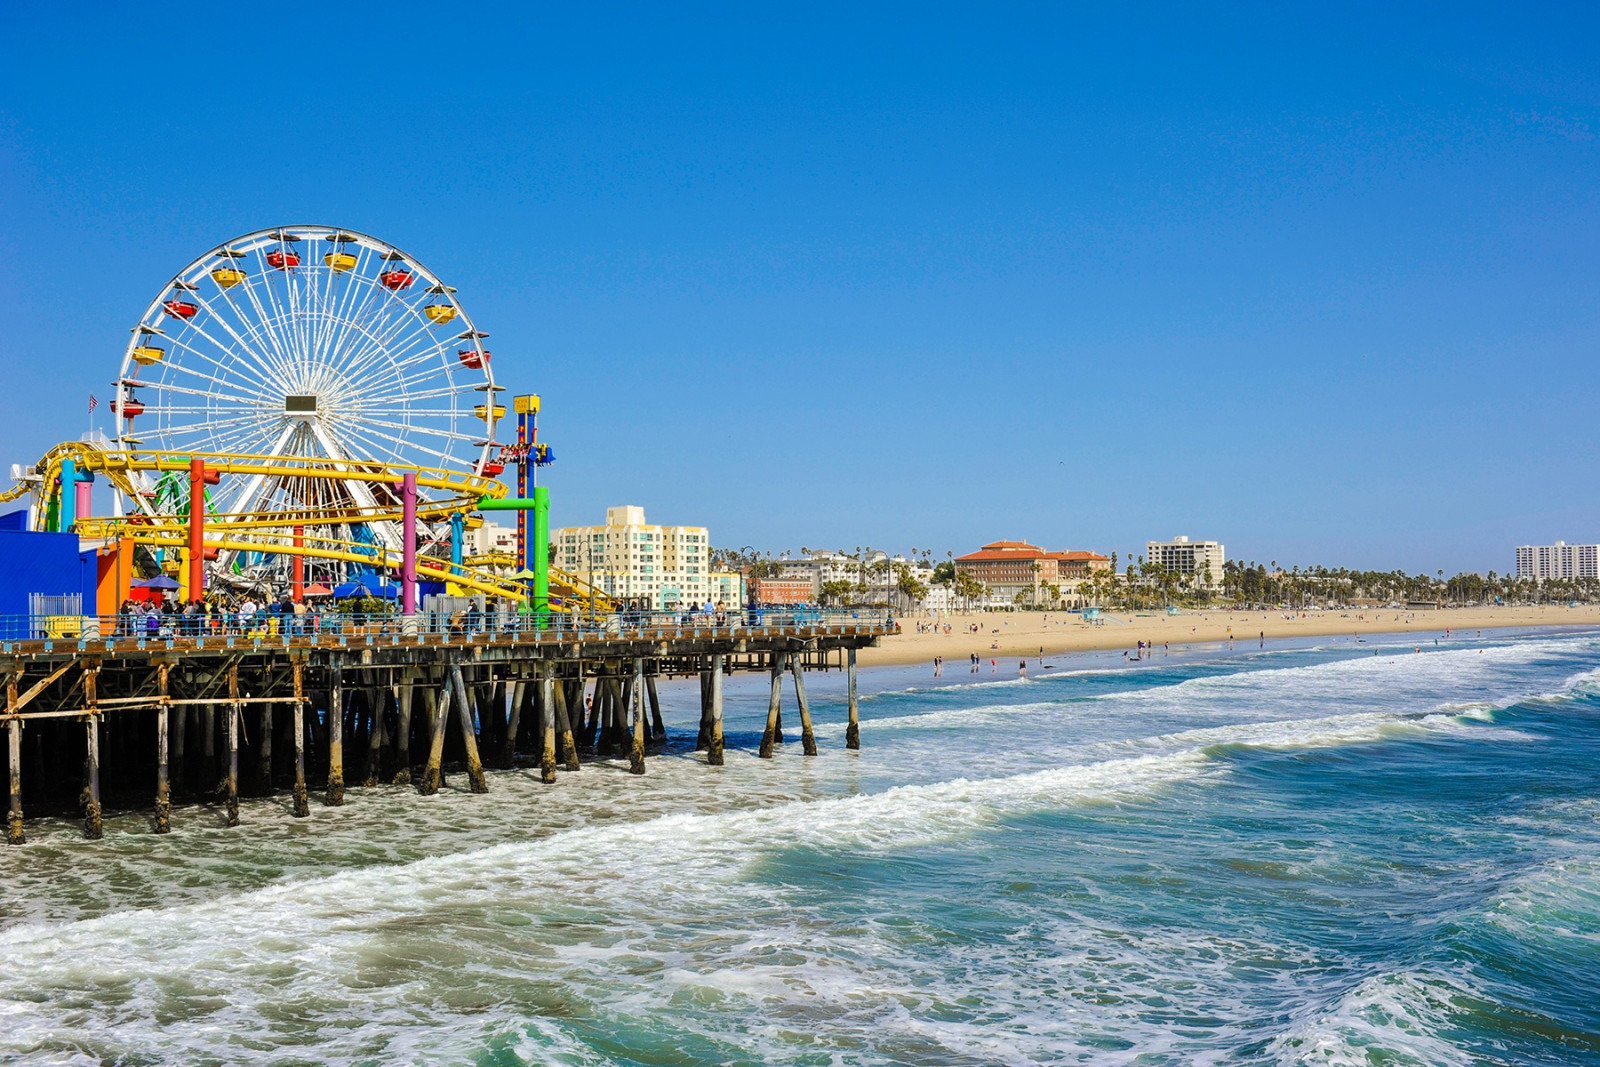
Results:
<point x="1320" y="286"/>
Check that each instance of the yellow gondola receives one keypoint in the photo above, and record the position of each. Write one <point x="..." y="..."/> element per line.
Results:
<point x="148" y="354"/>
<point x="340" y="261"/>
<point x="482" y="411"/>
<point x="439" y="314"/>
<point x="227" y="277"/>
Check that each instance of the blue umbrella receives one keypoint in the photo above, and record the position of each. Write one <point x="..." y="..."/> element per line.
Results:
<point x="160" y="581"/>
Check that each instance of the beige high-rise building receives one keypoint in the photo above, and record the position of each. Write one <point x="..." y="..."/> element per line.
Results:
<point x="660" y="567"/>
<point x="1183" y="556"/>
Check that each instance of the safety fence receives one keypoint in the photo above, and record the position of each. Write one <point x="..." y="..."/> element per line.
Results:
<point x="316" y="626"/>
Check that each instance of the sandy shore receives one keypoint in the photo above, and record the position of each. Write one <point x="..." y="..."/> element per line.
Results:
<point x="1020" y="635"/>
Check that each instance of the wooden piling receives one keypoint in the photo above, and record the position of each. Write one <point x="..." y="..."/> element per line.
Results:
<point x="402" y="734"/>
<point x="636" y="710"/>
<point x="93" y="827"/>
<point x="773" y="701"/>
<point x="658" y="728"/>
<point x="180" y="732"/>
<point x="302" y="806"/>
<point x="702" y="737"/>
<point x="564" y="721"/>
<point x="231" y="797"/>
<point x="433" y="774"/>
<point x="163" y="818"/>
<point x="375" y="707"/>
<point x="714" y="752"/>
<point x="470" y="735"/>
<point x="208" y="746"/>
<point x="518" y="692"/>
<point x="14" y="831"/>
<point x="808" y="739"/>
<point x="264" y="751"/>
<point x="852" y="732"/>
<point x="335" y="793"/>
<point x="547" y="725"/>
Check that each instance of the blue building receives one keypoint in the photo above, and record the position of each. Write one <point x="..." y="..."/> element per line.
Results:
<point x="41" y="573"/>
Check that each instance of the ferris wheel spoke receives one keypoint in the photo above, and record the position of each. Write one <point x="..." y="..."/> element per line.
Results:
<point x="370" y="430"/>
<point x="228" y="387"/>
<point x="271" y="354"/>
<point x="262" y="367"/>
<point x="396" y="315"/>
<point x="278" y="318"/>
<point x="398" y="351"/>
<point x="254" y="286"/>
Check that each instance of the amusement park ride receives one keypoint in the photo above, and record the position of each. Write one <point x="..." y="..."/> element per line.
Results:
<point x="309" y="404"/>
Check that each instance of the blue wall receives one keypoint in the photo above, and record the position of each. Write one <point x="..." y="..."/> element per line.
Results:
<point x="48" y="563"/>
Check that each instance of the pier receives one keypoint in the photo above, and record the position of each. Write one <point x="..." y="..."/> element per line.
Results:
<point x="139" y="722"/>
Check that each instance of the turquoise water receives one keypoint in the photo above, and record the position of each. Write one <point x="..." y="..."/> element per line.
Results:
<point x="1302" y="855"/>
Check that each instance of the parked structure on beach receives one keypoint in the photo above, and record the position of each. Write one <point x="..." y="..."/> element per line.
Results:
<point x="654" y="567"/>
<point x="1560" y="560"/>
<point x="1205" y="559"/>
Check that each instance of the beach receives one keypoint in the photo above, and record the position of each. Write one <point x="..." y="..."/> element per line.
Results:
<point x="1021" y="634"/>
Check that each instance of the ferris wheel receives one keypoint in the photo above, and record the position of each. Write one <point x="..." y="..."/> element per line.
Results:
<point x="306" y="341"/>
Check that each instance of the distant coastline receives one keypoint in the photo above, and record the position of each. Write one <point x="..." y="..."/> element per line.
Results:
<point x="1021" y="634"/>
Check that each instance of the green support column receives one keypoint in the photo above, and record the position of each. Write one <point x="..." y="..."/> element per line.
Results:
<point x="541" y="555"/>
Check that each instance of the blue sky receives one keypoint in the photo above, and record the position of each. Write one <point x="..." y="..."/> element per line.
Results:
<point x="1321" y="286"/>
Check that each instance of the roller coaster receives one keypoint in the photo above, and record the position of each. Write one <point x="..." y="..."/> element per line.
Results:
<point x="281" y="414"/>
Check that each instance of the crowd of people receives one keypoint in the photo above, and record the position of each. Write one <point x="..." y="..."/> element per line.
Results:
<point x="245" y="615"/>
<point x="235" y="615"/>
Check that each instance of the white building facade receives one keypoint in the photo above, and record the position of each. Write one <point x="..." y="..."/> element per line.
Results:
<point x="1183" y="556"/>
<point x="661" y="567"/>
<point x="1559" y="560"/>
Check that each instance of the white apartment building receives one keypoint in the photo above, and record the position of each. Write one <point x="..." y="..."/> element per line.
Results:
<point x="665" y="567"/>
<point x="1559" y="560"/>
<point x="489" y="538"/>
<point x="728" y="589"/>
<point x="1183" y="556"/>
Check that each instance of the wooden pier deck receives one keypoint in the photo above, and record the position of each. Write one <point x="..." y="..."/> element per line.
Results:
<point x="140" y="721"/>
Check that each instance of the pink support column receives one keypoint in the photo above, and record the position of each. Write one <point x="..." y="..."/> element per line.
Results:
<point x="85" y="491"/>
<point x="197" y="518"/>
<point x="408" y="552"/>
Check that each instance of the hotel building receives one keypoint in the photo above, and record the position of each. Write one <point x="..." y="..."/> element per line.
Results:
<point x="1011" y="567"/>
<point x="1183" y="556"/>
<point x="1559" y="560"/>
<point x="661" y="567"/>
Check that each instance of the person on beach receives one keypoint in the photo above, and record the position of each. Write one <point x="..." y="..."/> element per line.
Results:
<point x="1022" y="667"/>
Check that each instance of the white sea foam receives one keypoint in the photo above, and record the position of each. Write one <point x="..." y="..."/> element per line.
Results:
<point x="1389" y="1018"/>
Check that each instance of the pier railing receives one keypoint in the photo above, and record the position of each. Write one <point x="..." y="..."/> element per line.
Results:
<point x="227" y="629"/>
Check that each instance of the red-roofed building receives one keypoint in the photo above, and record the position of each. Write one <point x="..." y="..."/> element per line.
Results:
<point x="1010" y="567"/>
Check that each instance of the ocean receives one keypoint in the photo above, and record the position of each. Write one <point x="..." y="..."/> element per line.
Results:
<point x="1323" y="853"/>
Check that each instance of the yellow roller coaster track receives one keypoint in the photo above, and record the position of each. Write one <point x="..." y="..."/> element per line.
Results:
<point x="273" y="532"/>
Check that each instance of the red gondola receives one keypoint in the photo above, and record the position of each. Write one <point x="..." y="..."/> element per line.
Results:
<point x="492" y="469"/>
<point x="282" y="259"/>
<point x="128" y="408"/>
<point x="181" y="309"/>
<point x="396" y="280"/>
<point x="470" y="357"/>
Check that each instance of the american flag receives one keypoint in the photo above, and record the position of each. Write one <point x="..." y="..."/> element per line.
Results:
<point x="93" y="403"/>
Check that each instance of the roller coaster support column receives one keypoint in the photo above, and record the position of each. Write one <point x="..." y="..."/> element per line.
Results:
<point x="197" y="523"/>
<point x="541" y="554"/>
<point x="408" y="552"/>
<point x="83" y="497"/>
<point x="68" y="508"/>
<point x="457" y="534"/>
<point x="297" y="565"/>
